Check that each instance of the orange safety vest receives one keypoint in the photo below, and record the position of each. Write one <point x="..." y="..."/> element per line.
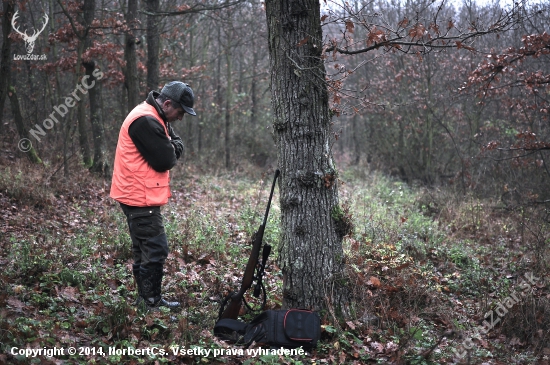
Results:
<point x="135" y="182"/>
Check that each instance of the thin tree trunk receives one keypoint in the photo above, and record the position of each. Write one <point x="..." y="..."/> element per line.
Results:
<point x="5" y="66"/>
<point x="200" y="124"/>
<point x="355" y="135"/>
<point x="153" y="41"/>
<point x="130" y="71"/>
<point x="253" y="88"/>
<point x="313" y="223"/>
<point x="216" y="121"/>
<point x="25" y="144"/>
<point x="68" y="133"/>
<point x="57" y="85"/>
<point x="189" y="136"/>
<point x="81" y="118"/>
<point x="228" y="98"/>
<point x="83" y="135"/>
<point x="100" y="164"/>
<point x="84" y="42"/>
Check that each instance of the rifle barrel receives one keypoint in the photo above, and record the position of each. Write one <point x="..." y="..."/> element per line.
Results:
<point x="233" y="308"/>
<point x="277" y="172"/>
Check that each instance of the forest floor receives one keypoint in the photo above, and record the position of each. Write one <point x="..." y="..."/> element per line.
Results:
<point x="450" y="278"/>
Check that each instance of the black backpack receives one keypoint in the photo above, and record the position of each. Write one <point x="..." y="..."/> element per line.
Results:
<point x="290" y="328"/>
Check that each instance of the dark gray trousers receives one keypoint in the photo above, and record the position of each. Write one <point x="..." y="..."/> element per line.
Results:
<point x="149" y="243"/>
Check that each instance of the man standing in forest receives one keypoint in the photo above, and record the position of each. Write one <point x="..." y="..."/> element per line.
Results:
<point x="147" y="149"/>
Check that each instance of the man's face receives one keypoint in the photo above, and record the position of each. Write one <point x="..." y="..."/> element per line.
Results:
<point x="172" y="111"/>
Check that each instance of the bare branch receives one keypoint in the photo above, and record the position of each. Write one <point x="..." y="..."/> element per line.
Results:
<point x="423" y="35"/>
<point x="197" y="8"/>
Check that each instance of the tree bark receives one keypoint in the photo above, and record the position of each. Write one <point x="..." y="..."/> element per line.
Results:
<point x="130" y="71"/>
<point x="153" y="41"/>
<point x="313" y="224"/>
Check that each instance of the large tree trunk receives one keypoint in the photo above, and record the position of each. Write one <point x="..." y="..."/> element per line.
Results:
<point x="130" y="71"/>
<point x="153" y="39"/>
<point x="313" y="224"/>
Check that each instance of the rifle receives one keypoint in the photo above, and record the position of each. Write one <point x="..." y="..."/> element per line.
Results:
<point x="237" y="298"/>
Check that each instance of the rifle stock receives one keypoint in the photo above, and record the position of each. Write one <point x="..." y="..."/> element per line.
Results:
<point x="234" y="306"/>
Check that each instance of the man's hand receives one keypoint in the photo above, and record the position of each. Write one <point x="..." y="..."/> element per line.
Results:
<point x="176" y="141"/>
<point x="178" y="147"/>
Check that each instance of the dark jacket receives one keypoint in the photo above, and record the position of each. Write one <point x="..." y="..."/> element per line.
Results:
<point x="151" y="140"/>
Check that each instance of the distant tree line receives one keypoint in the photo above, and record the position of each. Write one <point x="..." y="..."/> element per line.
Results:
<point x="475" y="115"/>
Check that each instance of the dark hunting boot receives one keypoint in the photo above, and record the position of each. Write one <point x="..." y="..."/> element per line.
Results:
<point x="151" y="281"/>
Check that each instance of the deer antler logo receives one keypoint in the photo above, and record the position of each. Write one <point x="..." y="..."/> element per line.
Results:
<point x="29" y="40"/>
